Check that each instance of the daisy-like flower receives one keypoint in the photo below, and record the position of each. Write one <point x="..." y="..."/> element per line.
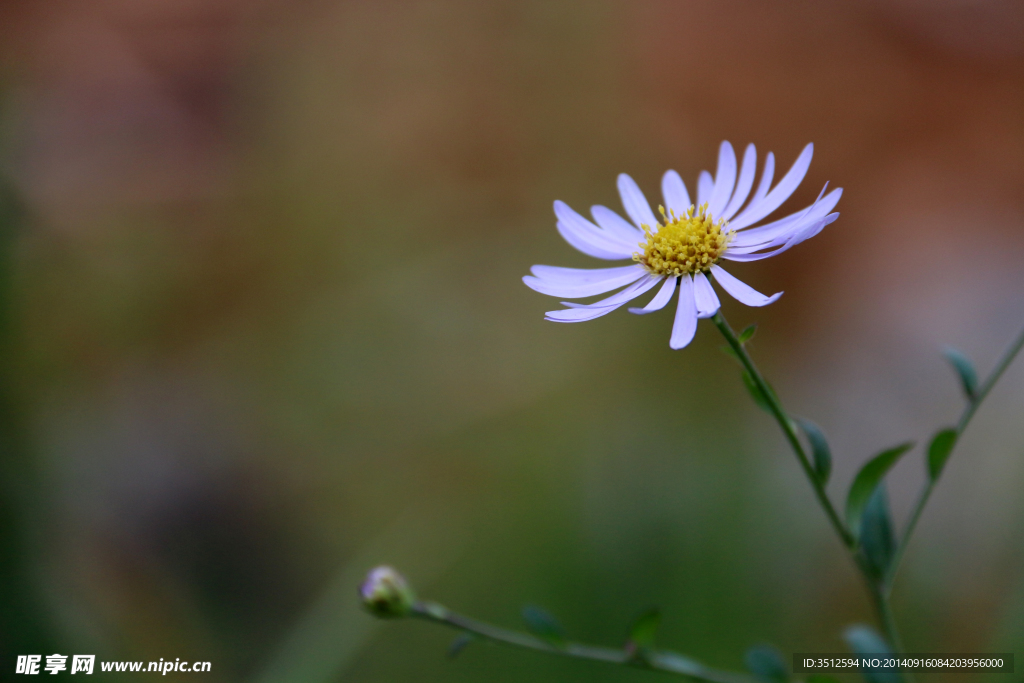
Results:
<point x="682" y="250"/>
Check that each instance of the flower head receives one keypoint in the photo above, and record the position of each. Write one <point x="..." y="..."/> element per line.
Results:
<point x="682" y="251"/>
<point x="386" y="593"/>
<point x="687" y="244"/>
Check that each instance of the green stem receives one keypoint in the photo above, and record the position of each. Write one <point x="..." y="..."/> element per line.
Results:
<point x="788" y="429"/>
<point x="973" y="403"/>
<point x="888" y="620"/>
<point x="1004" y="362"/>
<point x="894" y="566"/>
<point x="667" y="662"/>
<point x="878" y="594"/>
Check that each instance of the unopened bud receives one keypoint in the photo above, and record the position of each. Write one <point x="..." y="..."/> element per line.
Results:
<point x="386" y="593"/>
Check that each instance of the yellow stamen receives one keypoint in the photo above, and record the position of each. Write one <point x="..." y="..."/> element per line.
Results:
<point x="686" y="244"/>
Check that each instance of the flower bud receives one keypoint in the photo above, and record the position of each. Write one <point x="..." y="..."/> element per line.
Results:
<point x="386" y="593"/>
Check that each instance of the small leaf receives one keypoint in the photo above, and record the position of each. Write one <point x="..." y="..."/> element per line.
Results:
<point x="767" y="664"/>
<point x="731" y="352"/>
<point x="876" y="534"/>
<point x="755" y="392"/>
<point x="459" y="644"/>
<point x="641" y="635"/>
<point x="865" y="642"/>
<point x="867" y="479"/>
<point x="748" y="333"/>
<point x="543" y="625"/>
<point x="939" y="450"/>
<point x="819" y="448"/>
<point x="964" y="368"/>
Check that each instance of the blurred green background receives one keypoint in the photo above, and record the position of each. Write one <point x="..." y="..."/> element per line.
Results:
<point x="263" y="328"/>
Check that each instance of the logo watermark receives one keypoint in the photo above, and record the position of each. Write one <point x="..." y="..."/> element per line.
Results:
<point x="86" y="664"/>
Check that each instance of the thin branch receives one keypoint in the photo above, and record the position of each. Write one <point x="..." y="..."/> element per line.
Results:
<point x="786" y="423"/>
<point x="655" y="660"/>
<point x="973" y="403"/>
<point x="879" y="596"/>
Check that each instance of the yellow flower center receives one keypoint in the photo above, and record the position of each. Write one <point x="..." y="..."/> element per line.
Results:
<point x="686" y="244"/>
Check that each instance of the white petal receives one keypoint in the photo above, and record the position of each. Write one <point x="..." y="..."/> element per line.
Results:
<point x="560" y="274"/>
<point x="635" y="203"/>
<point x="704" y="296"/>
<point x="660" y="299"/>
<point x="779" y="193"/>
<point x="740" y="291"/>
<point x="571" y="217"/>
<point x="705" y="184"/>
<point x="579" y="313"/>
<point x="613" y="223"/>
<point x="743" y="185"/>
<point x="591" y="245"/>
<point x="807" y="231"/>
<point x="778" y="232"/>
<point x="596" y="235"/>
<point x="628" y="294"/>
<point x="765" y="234"/>
<point x="810" y="231"/>
<point x="576" y="283"/>
<point x="766" y="181"/>
<point x="674" y="190"/>
<point x="725" y="180"/>
<point x="685" y="325"/>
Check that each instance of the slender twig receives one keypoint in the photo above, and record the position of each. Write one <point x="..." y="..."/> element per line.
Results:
<point x="879" y="596"/>
<point x="656" y="660"/>
<point x="673" y="663"/>
<point x="915" y="515"/>
<point x="788" y="428"/>
<point x="973" y="403"/>
<point x="888" y="619"/>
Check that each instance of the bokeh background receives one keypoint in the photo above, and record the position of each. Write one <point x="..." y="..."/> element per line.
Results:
<point x="263" y="327"/>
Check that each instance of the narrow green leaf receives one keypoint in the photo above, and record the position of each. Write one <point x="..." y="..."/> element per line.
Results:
<point x="767" y="664"/>
<point x="867" y="479"/>
<point x="748" y="333"/>
<point x="819" y="448"/>
<point x="543" y="625"/>
<point x="755" y="392"/>
<point x="641" y="635"/>
<point x="939" y="450"/>
<point x="964" y="369"/>
<point x="865" y="642"/>
<point x="459" y="644"/>
<point x="876" y="535"/>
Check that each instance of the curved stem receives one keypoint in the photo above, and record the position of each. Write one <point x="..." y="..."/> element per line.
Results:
<point x="788" y="429"/>
<point x="668" y="662"/>
<point x="878" y="594"/>
<point x="973" y="403"/>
